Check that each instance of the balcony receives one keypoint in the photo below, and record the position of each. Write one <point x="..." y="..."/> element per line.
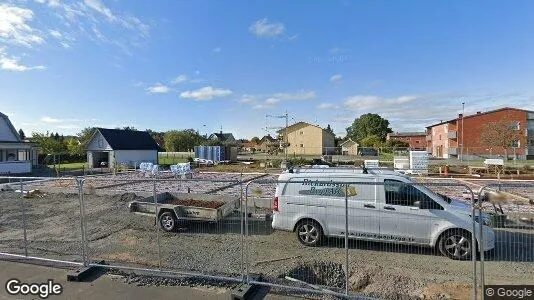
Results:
<point x="452" y="134"/>
<point x="453" y="151"/>
<point x="428" y="137"/>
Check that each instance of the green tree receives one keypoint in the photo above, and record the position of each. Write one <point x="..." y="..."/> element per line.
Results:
<point x="48" y="143"/>
<point x="329" y="129"/>
<point x="182" y="140"/>
<point x="367" y="125"/>
<point x="371" y="141"/>
<point x="159" y="137"/>
<point x="85" y="135"/>
<point x="22" y="135"/>
<point x="74" y="147"/>
<point x="256" y="140"/>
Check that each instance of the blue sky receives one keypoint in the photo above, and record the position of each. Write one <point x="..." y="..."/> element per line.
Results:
<point x="199" y="64"/>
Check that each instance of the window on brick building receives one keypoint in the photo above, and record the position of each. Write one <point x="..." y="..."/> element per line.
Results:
<point x="515" y="125"/>
<point x="516" y="144"/>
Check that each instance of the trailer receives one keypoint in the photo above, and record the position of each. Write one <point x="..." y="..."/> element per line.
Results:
<point x="173" y="208"/>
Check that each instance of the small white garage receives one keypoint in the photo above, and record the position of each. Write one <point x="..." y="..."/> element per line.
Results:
<point x="109" y="147"/>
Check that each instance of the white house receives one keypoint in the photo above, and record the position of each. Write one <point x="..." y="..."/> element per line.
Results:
<point x="108" y="147"/>
<point x="16" y="156"/>
<point x="349" y="147"/>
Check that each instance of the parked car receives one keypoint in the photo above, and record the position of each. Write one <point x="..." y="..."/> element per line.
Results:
<point x="393" y="210"/>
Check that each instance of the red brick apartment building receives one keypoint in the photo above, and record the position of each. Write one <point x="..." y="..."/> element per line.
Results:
<point x="444" y="140"/>
<point x="416" y="140"/>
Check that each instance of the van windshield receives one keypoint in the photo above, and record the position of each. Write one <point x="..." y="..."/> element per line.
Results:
<point x="445" y="198"/>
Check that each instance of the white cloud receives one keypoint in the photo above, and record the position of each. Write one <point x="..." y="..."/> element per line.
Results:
<point x="158" y="88"/>
<point x="336" y="77"/>
<point x="15" y="27"/>
<point x="326" y="106"/>
<point x="13" y="64"/>
<point x="100" y="8"/>
<point x="272" y="100"/>
<point x="264" y="28"/>
<point x="300" y="95"/>
<point x="179" y="79"/>
<point x="366" y="102"/>
<point x="205" y="93"/>
<point x="56" y="34"/>
<point x="50" y="120"/>
<point x="217" y="49"/>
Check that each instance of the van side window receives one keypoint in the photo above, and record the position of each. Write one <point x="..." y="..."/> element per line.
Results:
<point x="400" y="193"/>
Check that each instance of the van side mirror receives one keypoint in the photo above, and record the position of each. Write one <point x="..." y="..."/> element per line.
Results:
<point x="417" y="204"/>
<point x="423" y="204"/>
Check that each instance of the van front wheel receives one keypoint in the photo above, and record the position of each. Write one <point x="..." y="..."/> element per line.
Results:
<point x="309" y="233"/>
<point x="456" y="244"/>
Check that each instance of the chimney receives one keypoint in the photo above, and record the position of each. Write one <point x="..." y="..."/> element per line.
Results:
<point x="460" y="116"/>
<point x="479" y="112"/>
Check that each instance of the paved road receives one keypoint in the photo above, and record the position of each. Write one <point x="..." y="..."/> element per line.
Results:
<point x="104" y="287"/>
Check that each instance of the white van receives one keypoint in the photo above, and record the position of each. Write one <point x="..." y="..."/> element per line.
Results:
<point x="393" y="210"/>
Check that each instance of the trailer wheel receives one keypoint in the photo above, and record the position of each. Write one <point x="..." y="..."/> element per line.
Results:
<point x="167" y="221"/>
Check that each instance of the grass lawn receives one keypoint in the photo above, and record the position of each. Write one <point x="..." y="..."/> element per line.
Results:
<point x="69" y="166"/>
<point x="169" y="160"/>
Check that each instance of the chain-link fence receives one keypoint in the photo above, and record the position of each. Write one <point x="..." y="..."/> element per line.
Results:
<point x="310" y="232"/>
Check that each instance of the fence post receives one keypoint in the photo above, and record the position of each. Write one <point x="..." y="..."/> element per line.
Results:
<point x="24" y="220"/>
<point x="474" y="243"/>
<point x="157" y="224"/>
<point x="242" y="232"/>
<point x="346" y="240"/>
<point x="80" y="182"/>
<point x="245" y="217"/>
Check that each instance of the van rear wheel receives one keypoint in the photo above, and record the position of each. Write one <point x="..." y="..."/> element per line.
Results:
<point x="309" y="233"/>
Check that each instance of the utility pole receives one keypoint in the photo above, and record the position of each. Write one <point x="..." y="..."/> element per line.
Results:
<point x="286" y="138"/>
<point x="462" y="144"/>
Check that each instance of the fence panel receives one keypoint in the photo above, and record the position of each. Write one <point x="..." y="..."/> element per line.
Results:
<point x="341" y="263"/>
<point x="510" y="207"/>
<point x="12" y="215"/>
<point x="50" y="218"/>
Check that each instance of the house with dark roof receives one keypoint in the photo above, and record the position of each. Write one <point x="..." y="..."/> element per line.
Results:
<point x="226" y="138"/>
<point x="108" y="147"/>
<point x="16" y="155"/>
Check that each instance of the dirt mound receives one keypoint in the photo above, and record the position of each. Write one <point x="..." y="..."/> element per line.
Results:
<point x="376" y="282"/>
<point x="447" y="291"/>
<point x="198" y="203"/>
<point x="126" y="197"/>
<point x="320" y="273"/>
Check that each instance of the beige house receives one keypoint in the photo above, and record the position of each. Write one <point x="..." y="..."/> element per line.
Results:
<point x="307" y="139"/>
<point x="349" y="147"/>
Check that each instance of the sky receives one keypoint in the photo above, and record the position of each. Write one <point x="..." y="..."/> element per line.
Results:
<point x="212" y="64"/>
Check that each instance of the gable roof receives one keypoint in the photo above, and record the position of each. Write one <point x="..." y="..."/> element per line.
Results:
<point x="223" y="137"/>
<point x="119" y="139"/>
<point x="267" y="138"/>
<point x="11" y="127"/>
<point x="348" y="141"/>
<point x="302" y="124"/>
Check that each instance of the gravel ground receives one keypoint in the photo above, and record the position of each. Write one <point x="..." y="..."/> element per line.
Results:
<point x="115" y="235"/>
